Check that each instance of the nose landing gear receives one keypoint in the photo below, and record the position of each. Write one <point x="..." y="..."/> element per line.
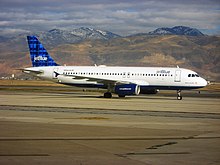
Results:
<point x="179" y="97"/>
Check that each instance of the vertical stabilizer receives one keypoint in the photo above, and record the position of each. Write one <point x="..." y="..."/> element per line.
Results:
<point x="38" y="53"/>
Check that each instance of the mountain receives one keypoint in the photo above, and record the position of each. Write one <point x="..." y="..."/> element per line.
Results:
<point x="201" y="54"/>
<point x="56" y="37"/>
<point x="86" y="46"/>
<point x="177" y="30"/>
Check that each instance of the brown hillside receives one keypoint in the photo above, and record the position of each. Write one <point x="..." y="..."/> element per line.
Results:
<point x="201" y="54"/>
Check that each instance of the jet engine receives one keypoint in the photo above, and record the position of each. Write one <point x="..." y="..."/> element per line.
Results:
<point x="127" y="89"/>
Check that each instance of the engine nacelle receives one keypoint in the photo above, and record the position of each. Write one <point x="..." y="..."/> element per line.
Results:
<point x="149" y="91"/>
<point x="127" y="89"/>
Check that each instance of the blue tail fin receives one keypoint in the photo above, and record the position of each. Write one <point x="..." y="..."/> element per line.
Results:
<point x="38" y="53"/>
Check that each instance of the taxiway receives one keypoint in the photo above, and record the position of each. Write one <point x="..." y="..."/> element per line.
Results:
<point x="61" y="127"/>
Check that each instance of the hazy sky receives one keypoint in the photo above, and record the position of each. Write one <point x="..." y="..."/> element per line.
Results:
<point x="123" y="17"/>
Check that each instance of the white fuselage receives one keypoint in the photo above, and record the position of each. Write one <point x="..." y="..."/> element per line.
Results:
<point x="145" y="77"/>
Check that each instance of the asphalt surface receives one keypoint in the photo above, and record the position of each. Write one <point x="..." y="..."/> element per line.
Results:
<point x="46" y="126"/>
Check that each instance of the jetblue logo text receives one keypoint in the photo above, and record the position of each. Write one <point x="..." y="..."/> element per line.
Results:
<point x="40" y="58"/>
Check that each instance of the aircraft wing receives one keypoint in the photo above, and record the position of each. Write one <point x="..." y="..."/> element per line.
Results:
<point x="99" y="80"/>
<point x="107" y="80"/>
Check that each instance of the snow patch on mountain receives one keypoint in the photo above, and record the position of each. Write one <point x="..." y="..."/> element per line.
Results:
<point x="177" y="30"/>
<point x="57" y="36"/>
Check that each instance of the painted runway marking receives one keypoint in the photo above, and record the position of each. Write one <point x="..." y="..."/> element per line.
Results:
<point x="112" y="111"/>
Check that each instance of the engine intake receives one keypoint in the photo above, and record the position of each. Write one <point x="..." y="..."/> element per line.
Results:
<point x="127" y="89"/>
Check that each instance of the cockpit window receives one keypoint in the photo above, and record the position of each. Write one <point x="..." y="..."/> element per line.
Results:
<point x="193" y="75"/>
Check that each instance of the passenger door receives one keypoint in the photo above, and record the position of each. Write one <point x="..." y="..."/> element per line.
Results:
<point x="177" y="76"/>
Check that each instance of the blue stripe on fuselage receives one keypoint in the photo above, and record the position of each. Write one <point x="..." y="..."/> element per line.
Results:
<point x="142" y="87"/>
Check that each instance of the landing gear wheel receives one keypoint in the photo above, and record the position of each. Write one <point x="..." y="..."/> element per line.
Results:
<point x="107" y="95"/>
<point x="179" y="97"/>
<point x="121" y="96"/>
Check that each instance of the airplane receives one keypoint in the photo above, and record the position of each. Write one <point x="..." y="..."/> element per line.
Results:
<point x="123" y="81"/>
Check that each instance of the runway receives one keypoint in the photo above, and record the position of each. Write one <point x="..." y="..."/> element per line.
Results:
<point x="47" y="126"/>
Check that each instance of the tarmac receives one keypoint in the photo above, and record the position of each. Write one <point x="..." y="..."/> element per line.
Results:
<point x="50" y="126"/>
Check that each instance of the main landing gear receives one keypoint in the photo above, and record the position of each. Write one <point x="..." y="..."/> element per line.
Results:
<point x="179" y="97"/>
<point x="121" y="96"/>
<point x="108" y="95"/>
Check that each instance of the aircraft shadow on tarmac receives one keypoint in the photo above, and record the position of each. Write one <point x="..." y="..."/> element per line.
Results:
<point x="73" y="95"/>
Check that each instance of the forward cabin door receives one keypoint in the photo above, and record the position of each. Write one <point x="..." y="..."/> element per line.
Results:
<point x="177" y="77"/>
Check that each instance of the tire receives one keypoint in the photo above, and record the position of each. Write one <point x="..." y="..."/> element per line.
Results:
<point x="107" y="95"/>
<point x="121" y="96"/>
<point x="179" y="97"/>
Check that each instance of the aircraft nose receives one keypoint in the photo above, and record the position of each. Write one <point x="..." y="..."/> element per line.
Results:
<point x="203" y="82"/>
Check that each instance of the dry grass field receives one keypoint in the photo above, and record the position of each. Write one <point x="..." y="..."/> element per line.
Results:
<point x="27" y="83"/>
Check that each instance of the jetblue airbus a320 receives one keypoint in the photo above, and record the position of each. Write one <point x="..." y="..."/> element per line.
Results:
<point x="122" y="81"/>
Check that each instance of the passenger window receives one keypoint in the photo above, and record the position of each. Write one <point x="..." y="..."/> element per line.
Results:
<point x="189" y="75"/>
<point x="193" y="75"/>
